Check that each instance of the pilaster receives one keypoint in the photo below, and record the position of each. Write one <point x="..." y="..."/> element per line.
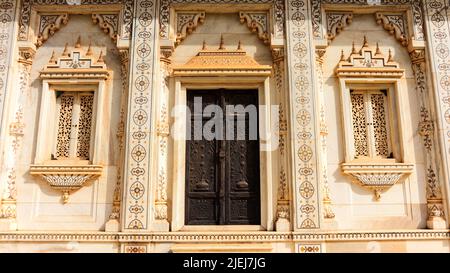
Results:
<point x="14" y="139"/>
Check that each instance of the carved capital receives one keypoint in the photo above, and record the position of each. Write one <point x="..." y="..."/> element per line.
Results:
<point x="26" y="55"/>
<point x="320" y="53"/>
<point x="426" y="128"/>
<point x="187" y="22"/>
<point x="278" y="54"/>
<point x="417" y="56"/>
<point x="336" y="22"/>
<point x="49" y="25"/>
<point x="166" y="53"/>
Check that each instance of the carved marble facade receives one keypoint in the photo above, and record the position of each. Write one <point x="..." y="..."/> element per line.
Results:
<point x="363" y="122"/>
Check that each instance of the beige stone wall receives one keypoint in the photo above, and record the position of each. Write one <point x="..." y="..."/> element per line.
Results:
<point x="404" y="205"/>
<point x="228" y="25"/>
<point x="401" y="212"/>
<point x="38" y="206"/>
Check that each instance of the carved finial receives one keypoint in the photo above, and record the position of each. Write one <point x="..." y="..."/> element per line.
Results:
<point x="222" y="43"/>
<point x="78" y="43"/>
<point x="204" y="45"/>
<point x="89" y="50"/>
<point x="66" y="50"/>
<point x="342" y="56"/>
<point x="390" y="59"/>
<point x="100" y="58"/>
<point x="366" y="43"/>
<point x="378" y="52"/>
<point x="354" y="48"/>
<point x="53" y="58"/>
<point x="239" y="45"/>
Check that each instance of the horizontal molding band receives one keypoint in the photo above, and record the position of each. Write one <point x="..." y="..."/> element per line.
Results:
<point x="168" y="237"/>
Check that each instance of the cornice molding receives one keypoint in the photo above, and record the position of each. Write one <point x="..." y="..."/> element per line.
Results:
<point x="199" y="237"/>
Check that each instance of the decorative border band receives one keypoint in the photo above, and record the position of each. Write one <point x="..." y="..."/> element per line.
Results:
<point x="168" y="237"/>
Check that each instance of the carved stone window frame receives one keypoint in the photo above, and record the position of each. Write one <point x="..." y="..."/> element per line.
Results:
<point x="377" y="175"/>
<point x="69" y="175"/>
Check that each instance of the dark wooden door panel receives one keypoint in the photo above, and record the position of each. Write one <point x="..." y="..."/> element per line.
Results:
<point x="222" y="176"/>
<point x="202" y="186"/>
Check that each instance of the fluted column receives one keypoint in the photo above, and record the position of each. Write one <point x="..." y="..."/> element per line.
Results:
<point x="13" y="141"/>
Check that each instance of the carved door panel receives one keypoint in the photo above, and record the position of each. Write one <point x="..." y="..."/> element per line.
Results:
<point x="222" y="175"/>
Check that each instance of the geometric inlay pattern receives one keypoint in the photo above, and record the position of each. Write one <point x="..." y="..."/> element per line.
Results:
<point x="301" y="84"/>
<point x="138" y="131"/>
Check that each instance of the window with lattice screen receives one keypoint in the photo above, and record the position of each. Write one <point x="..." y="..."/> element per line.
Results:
<point x="74" y="125"/>
<point x="370" y="119"/>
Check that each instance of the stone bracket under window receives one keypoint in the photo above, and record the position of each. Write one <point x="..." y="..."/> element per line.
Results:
<point x="67" y="179"/>
<point x="377" y="177"/>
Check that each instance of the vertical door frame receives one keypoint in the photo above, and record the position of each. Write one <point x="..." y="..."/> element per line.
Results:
<point x="267" y="164"/>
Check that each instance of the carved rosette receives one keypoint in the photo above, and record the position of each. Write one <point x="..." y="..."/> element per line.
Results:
<point x="49" y="25"/>
<point x="336" y="22"/>
<point x="187" y="22"/>
<point x="257" y="22"/>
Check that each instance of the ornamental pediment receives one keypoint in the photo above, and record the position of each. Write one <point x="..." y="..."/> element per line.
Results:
<point x="75" y="63"/>
<point x="368" y="62"/>
<point x="223" y="62"/>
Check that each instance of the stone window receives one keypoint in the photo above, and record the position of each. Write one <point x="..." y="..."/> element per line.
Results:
<point x="370" y="120"/>
<point x="74" y="125"/>
<point x="73" y="120"/>
<point x="375" y="119"/>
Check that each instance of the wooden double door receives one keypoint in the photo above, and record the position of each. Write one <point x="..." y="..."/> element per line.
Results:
<point x="222" y="174"/>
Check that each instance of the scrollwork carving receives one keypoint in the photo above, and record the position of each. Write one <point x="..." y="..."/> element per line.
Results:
<point x="395" y="24"/>
<point x="336" y="22"/>
<point x="49" y="25"/>
<point x="108" y="23"/>
<point x="257" y="22"/>
<point x="187" y="22"/>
